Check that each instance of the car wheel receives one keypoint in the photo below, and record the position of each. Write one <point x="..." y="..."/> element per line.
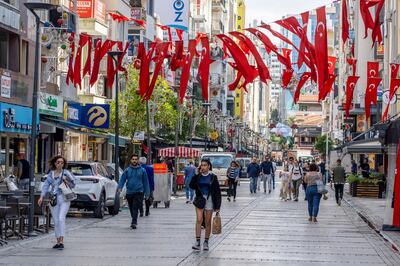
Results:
<point x="100" y="208"/>
<point x="114" y="210"/>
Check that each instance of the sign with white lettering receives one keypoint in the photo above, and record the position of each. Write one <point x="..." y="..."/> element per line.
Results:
<point x="50" y="104"/>
<point x="175" y="14"/>
<point x="6" y="86"/>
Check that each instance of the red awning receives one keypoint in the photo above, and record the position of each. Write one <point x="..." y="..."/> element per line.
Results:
<point x="183" y="152"/>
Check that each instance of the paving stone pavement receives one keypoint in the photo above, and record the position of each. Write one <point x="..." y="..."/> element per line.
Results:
<point x="257" y="230"/>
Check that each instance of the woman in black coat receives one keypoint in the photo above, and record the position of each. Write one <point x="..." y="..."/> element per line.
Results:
<point x="206" y="185"/>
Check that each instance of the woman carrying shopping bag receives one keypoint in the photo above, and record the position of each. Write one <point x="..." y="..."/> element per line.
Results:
<point x="207" y="200"/>
<point x="58" y="184"/>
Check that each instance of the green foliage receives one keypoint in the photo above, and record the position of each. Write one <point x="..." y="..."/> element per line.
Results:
<point x="320" y="144"/>
<point x="374" y="179"/>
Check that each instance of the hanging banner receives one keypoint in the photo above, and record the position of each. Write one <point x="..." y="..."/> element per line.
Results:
<point x="174" y="14"/>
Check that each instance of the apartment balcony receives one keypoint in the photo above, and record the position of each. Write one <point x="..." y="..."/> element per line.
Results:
<point x="9" y="14"/>
<point x="20" y="91"/>
<point x="199" y="18"/>
<point x="217" y="80"/>
<point x="219" y="5"/>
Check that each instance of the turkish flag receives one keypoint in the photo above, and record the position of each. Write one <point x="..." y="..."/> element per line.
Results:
<point x="304" y="39"/>
<point x="396" y="191"/>
<point x="304" y="77"/>
<point x="327" y="87"/>
<point x="70" y="73"/>
<point x="372" y="69"/>
<point x="376" y="31"/>
<point x="166" y="28"/>
<point x="140" y="22"/>
<point x="83" y="40"/>
<point x="262" y="68"/>
<point x="278" y="35"/>
<point x="144" y="76"/>
<point x="353" y="63"/>
<point x="331" y="64"/>
<point x="352" y="49"/>
<point x="394" y="86"/>
<point x="350" y="86"/>
<point x="178" y="56"/>
<point x="179" y="32"/>
<point x="240" y="58"/>
<point x="235" y="84"/>
<point x="394" y="70"/>
<point x="161" y="53"/>
<point x="204" y="67"/>
<point x="269" y="45"/>
<point x="321" y="48"/>
<point x="345" y="22"/>
<point x="186" y="69"/>
<point x="287" y="77"/>
<point x="145" y="148"/>
<point x="106" y="47"/>
<point x="366" y="15"/>
<point x="371" y="94"/>
<point x="88" y="64"/>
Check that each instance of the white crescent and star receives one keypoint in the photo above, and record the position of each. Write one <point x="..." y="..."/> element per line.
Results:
<point x="321" y="28"/>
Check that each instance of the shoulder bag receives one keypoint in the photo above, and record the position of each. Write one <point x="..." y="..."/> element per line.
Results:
<point x="67" y="192"/>
<point x="199" y="201"/>
<point x="321" y="187"/>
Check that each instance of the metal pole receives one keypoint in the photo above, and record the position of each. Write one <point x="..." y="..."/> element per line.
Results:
<point x="34" y="127"/>
<point x="176" y="144"/>
<point x="116" y="155"/>
<point x="149" y="153"/>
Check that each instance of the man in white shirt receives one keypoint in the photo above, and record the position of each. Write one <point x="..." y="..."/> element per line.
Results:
<point x="297" y="174"/>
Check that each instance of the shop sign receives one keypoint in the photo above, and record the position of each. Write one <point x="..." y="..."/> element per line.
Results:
<point x="15" y="118"/>
<point x="174" y="13"/>
<point x="96" y="115"/>
<point x="50" y="104"/>
<point x="6" y="85"/>
<point x="91" y="9"/>
<point x="138" y="136"/>
<point x="136" y="13"/>
<point x="386" y="96"/>
<point x="72" y="111"/>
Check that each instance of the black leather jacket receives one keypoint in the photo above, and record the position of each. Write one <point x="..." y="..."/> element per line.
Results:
<point x="215" y="190"/>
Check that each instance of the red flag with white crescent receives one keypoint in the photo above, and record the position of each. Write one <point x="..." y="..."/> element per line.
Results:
<point x="327" y="87"/>
<point x="88" y="64"/>
<point x="144" y="76"/>
<point x="394" y="87"/>
<point x="204" y="67"/>
<point x="396" y="191"/>
<point x="262" y="68"/>
<point x="304" y="77"/>
<point x="331" y="64"/>
<point x="240" y="58"/>
<point x="321" y="48"/>
<point x="287" y="77"/>
<point x="376" y="31"/>
<point x="372" y="69"/>
<point x="394" y="70"/>
<point x="178" y="56"/>
<point x="350" y="86"/>
<point x="371" y="94"/>
<point x="106" y="47"/>
<point x="186" y="69"/>
<point x="70" y="73"/>
<point x="269" y="45"/>
<point x="353" y="63"/>
<point x="366" y="15"/>
<point x="161" y="51"/>
<point x="345" y="22"/>
<point x="304" y="39"/>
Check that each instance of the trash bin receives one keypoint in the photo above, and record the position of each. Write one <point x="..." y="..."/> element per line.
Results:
<point x="162" y="185"/>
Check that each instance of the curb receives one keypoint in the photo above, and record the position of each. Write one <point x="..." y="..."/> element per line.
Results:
<point x="372" y="225"/>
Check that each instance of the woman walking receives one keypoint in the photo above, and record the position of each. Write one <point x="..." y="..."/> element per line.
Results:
<point x="233" y="175"/>
<point x="55" y="178"/>
<point x="285" y="179"/>
<point x="312" y="194"/>
<point x="207" y="200"/>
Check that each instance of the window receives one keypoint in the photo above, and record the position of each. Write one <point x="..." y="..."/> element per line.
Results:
<point x="9" y="51"/>
<point x="80" y="169"/>
<point x="25" y="58"/>
<point x="3" y="49"/>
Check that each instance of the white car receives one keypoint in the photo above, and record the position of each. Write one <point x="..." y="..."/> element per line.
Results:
<point x="95" y="187"/>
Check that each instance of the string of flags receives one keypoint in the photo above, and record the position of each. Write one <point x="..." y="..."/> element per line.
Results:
<point x="237" y="47"/>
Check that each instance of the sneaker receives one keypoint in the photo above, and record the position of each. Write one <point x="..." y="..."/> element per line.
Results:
<point x="315" y="220"/>
<point x="229" y="199"/>
<point x="234" y="200"/>
<point x="141" y="214"/>
<point x="133" y="226"/>
<point x="56" y="246"/>
<point x="205" y="246"/>
<point x="188" y="201"/>
<point x="61" y="246"/>
<point x="339" y="202"/>
<point x="310" y="219"/>
<point x="196" y="245"/>
<point x="147" y="213"/>
<point x="296" y="199"/>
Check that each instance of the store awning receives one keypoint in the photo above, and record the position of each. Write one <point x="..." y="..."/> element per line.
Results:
<point x="183" y="152"/>
<point x="369" y="146"/>
<point x="72" y="127"/>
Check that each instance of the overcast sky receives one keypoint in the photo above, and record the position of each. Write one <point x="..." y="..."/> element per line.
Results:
<point x="271" y="10"/>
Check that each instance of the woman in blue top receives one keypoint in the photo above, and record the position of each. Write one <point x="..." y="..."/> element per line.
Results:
<point x="233" y="175"/>
<point x="206" y="185"/>
<point x="56" y="176"/>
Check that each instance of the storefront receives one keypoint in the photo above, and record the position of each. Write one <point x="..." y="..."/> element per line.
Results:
<point x="15" y="129"/>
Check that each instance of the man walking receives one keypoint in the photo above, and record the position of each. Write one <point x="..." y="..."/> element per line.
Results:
<point x="22" y="172"/>
<point x="189" y="171"/>
<point x="267" y="170"/>
<point x="297" y="178"/>
<point x="150" y="175"/>
<point x="253" y="171"/>
<point x="137" y="187"/>
<point x="339" y="178"/>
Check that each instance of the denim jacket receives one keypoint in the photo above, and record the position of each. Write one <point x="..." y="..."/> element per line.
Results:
<point x="52" y="183"/>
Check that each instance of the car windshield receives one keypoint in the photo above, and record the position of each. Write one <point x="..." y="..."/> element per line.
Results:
<point x="219" y="161"/>
<point x="80" y="169"/>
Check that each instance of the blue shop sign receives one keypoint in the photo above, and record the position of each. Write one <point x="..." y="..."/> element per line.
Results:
<point x="15" y="118"/>
<point x="96" y="115"/>
<point x="72" y="112"/>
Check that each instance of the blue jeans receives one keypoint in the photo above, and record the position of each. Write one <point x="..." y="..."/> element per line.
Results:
<point x="189" y="193"/>
<point x="253" y="184"/>
<point x="314" y="199"/>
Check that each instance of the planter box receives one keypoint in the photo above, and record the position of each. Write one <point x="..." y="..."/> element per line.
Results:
<point x="366" y="190"/>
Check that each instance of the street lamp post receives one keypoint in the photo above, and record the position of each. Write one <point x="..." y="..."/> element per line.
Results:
<point x="115" y="56"/>
<point x="33" y="7"/>
<point x="207" y="106"/>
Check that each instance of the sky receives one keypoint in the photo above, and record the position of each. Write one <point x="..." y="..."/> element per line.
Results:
<point x="271" y="10"/>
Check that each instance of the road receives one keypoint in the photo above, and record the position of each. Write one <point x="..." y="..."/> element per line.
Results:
<point x="257" y="230"/>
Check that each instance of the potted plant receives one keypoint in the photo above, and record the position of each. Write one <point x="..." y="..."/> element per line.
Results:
<point x="373" y="186"/>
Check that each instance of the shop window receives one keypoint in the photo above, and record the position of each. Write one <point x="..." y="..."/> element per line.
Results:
<point x="13" y="52"/>
<point x="25" y="58"/>
<point x="3" y="50"/>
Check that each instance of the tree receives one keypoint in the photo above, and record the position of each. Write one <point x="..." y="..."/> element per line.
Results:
<point x="275" y="115"/>
<point x="320" y="144"/>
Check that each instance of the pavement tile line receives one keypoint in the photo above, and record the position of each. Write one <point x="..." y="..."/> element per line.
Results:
<point x="196" y="257"/>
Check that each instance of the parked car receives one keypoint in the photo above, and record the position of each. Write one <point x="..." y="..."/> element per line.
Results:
<point x="95" y="187"/>
<point x="244" y="162"/>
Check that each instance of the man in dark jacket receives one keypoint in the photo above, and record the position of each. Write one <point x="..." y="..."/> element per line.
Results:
<point x="22" y="172"/>
<point x="339" y="178"/>
<point x="137" y="187"/>
<point x="267" y="169"/>
<point x="253" y="171"/>
<point x="150" y="175"/>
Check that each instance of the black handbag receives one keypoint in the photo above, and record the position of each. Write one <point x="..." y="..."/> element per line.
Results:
<point x="53" y="199"/>
<point x="199" y="201"/>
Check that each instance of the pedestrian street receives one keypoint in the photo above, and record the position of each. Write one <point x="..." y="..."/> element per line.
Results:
<point x="257" y="229"/>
